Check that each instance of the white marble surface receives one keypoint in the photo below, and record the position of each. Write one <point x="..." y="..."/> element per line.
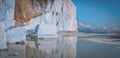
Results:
<point x="9" y="15"/>
<point x="60" y="17"/>
<point x="16" y="35"/>
<point x="3" y="42"/>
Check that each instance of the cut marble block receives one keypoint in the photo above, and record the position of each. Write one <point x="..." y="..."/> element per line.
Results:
<point x="3" y="44"/>
<point x="47" y="29"/>
<point x="16" y="35"/>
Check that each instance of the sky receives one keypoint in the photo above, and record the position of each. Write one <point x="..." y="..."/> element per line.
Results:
<point x="98" y="13"/>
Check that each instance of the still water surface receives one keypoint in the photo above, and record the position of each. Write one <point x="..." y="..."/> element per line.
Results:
<point x="62" y="47"/>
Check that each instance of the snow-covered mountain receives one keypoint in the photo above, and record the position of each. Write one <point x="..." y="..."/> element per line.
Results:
<point x="92" y="29"/>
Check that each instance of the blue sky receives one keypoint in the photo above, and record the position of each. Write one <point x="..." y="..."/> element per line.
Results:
<point x="98" y="13"/>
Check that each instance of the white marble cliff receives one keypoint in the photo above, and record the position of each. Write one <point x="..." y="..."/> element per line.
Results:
<point x="52" y="16"/>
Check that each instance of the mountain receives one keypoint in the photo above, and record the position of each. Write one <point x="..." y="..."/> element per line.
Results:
<point x="91" y="29"/>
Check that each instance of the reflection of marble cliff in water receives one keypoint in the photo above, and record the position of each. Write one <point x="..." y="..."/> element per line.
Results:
<point x="19" y="16"/>
<point x="56" y="48"/>
<point x="64" y="47"/>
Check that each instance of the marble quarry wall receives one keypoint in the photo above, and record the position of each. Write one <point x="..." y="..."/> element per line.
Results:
<point x="52" y="16"/>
